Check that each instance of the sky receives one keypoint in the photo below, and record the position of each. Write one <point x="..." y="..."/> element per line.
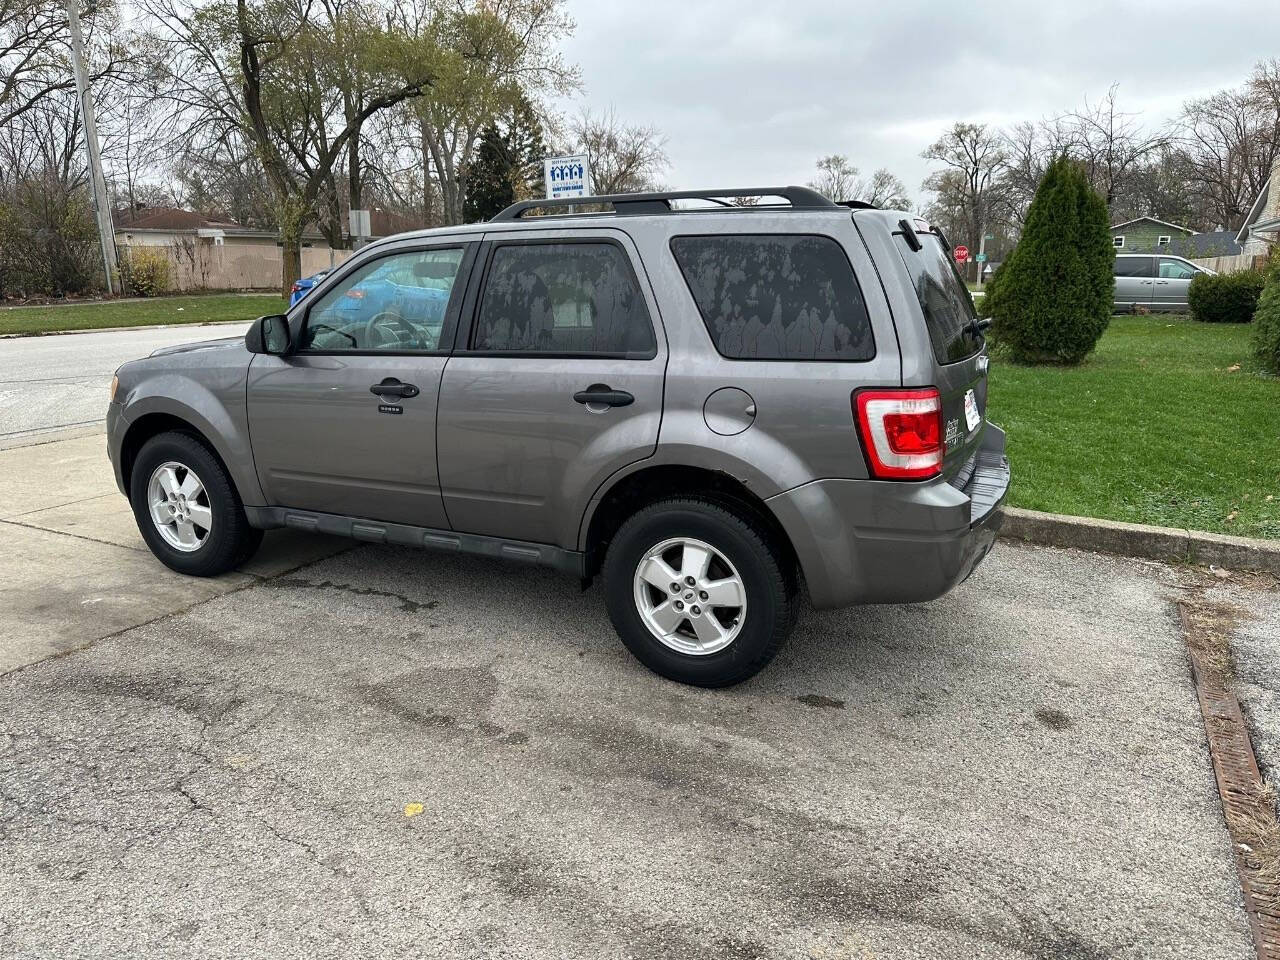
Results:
<point x="751" y="94"/>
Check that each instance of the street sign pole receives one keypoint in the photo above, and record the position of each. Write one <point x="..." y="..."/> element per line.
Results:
<point x="982" y="257"/>
<point x="97" y="183"/>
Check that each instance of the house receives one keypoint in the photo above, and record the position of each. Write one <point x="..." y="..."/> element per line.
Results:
<point x="1147" y="235"/>
<point x="172" y="227"/>
<point x="1262" y="224"/>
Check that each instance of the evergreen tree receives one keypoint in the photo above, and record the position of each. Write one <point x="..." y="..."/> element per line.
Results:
<point x="1266" y="320"/>
<point x="1052" y="299"/>
<point x="507" y="165"/>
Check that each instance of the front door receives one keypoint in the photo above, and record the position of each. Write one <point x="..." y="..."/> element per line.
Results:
<point x="346" y="423"/>
<point x="1173" y="280"/>
<point x="556" y="384"/>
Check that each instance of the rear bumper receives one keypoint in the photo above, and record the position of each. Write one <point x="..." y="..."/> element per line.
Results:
<point x="873" y="541"/>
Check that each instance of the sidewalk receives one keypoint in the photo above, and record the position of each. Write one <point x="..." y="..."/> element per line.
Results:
<point x="75" y="567"/>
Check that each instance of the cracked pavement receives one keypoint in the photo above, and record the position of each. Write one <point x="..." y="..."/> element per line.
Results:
<point x="1016" y="770"/>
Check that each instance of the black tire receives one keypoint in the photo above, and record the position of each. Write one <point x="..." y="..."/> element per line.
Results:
<point x="770" y="585"/>
<point x="229" y="542"/>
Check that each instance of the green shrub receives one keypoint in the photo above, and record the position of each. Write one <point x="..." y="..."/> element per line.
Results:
<point x="144" y="272"/>
<point x="1050" y="301"/>
<point x="1266" y="320"/>
<point x="1225" y="297"/>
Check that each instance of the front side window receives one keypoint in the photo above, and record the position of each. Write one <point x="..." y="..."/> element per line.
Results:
<point x="1175" y="270"/>
<point x="776" y="296"/>
<point x="1133" y="267"/>
<point x="393" y="304"/>
<point x="563" y="299"/>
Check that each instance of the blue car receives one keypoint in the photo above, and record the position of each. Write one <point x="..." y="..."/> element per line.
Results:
<point x="304" y="286"/>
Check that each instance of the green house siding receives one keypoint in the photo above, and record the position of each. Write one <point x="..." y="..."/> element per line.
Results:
<point x="1142" y="236"/>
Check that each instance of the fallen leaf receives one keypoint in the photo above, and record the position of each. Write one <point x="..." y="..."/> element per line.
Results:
<point x="1233" y="368"/>
<point x="412" y="809"/>
<point x="1232" y="515"/>
<point x="1219" y="572"/>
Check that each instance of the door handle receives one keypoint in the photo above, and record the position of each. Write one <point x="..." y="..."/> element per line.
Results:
<point x="1162" y="282"/>
<point x="600" y="393"/>
<point x="391" y="387"/>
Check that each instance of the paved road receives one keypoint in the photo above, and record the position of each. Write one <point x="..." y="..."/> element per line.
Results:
<point x="55" y="382"/>
<point x="1018" y="770"/>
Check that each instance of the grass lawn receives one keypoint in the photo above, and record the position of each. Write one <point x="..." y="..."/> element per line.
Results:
<point x="137" y="313"/>
<point x="1158" y="425"/>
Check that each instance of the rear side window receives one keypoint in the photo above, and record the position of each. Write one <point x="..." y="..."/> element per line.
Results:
<point x="777" y="297"/>
<point x="944" y="299"/>
<point x="563" y="299"/>
<point x="1133" y="266"/>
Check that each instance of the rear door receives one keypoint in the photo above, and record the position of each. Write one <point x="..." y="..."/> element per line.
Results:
<point x="960" y="358"/>
<point x="1172" y="281"/>
<point x="556" y="382"/>
<point x="1135" y="283"/>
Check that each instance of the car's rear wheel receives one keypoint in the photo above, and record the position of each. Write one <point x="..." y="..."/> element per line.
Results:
<point x="698" y="593"/>
<point x="187" y="508"/>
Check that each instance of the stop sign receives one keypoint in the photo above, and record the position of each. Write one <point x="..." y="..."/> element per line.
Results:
<point x="961" y="253"/>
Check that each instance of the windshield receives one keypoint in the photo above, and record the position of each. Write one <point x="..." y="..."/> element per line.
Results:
<point x="944" y="299"/>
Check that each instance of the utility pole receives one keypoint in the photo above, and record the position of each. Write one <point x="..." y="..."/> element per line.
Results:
<point x="97" y="184"/>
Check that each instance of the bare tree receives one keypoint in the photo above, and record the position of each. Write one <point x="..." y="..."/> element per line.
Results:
<point x="970" y="189"/>
<point x="271" y="75"/>
<point x="625" y="158"/>
<point x="1228" y="142"/>
<point x="884" y="190"/>
<point x="1109" y="143"/>
<point x="837" y="178"/>
<point x="34" y="52"/>
<point x="493" y="53"/>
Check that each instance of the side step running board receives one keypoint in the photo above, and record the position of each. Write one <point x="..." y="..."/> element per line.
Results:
<point x="375" y="531"/>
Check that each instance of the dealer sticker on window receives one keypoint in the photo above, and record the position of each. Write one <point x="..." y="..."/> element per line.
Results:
<point x="971" y="415"/>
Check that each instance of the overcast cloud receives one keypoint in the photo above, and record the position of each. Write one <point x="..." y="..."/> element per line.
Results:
<point x="752" y="94"/>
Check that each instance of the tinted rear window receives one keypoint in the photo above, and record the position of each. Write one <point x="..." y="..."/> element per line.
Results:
<point x="944" y="299"/>
<point x="777" y="297"/>
<point x="1133" y="266"/>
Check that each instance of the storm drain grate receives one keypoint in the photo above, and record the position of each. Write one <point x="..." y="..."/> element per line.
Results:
<point x="1240" y="785"/>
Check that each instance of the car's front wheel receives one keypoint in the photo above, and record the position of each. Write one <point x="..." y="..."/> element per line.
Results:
<point x="698" y="593"/>
<point x="187" y="508"/>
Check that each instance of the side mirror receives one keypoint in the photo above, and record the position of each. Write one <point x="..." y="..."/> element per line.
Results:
<point x="269" y="334"/>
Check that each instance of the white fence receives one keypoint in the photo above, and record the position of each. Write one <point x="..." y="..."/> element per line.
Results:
<point x="204" y="266"/>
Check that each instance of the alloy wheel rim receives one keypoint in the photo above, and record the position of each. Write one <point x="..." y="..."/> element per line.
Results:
<point x="179" y="506"/>
<point x="689" y="596"/>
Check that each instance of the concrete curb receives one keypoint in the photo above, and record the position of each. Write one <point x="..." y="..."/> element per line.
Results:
<point x="1168" y="544"/>
<point x="149" y="326"/>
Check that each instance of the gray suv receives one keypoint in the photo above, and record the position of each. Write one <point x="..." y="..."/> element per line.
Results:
<point x="712" y="406"/>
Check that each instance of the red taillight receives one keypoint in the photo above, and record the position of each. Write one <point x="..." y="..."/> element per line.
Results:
<point x="901" y="432"/>
<point x="356" y="294"/>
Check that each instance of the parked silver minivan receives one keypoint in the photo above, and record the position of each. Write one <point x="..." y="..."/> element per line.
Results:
<point x="1154" y="281"/>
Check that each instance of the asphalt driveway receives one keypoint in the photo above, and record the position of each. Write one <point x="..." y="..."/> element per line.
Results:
<point x="392" y="753"/>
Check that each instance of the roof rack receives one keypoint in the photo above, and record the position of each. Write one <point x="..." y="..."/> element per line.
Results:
<point x="801" y="198"/>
